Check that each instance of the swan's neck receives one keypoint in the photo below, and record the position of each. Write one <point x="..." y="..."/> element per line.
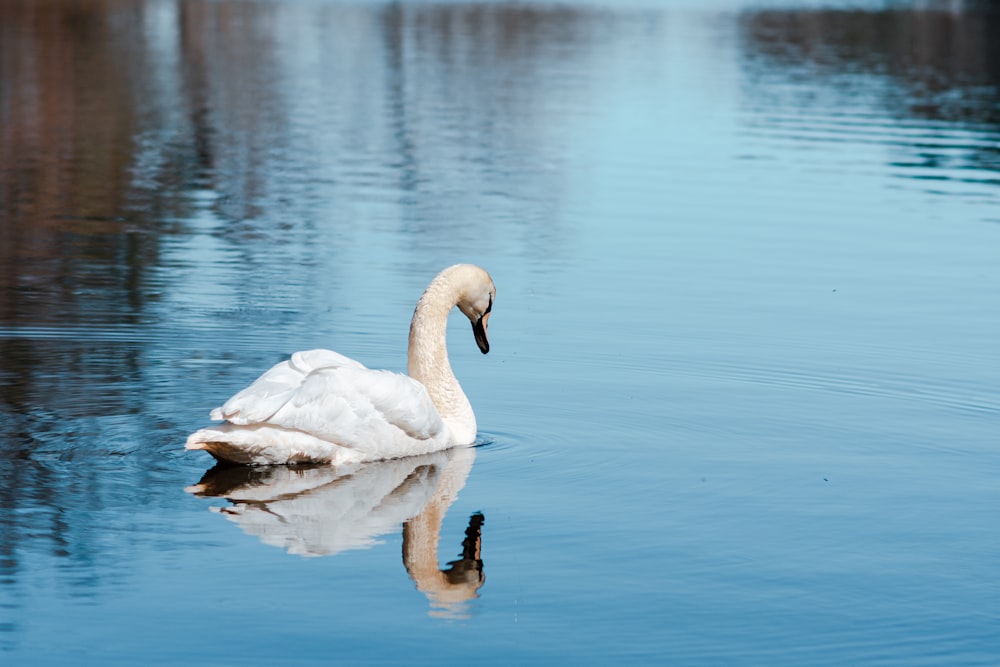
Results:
<point x="428" y="361"/>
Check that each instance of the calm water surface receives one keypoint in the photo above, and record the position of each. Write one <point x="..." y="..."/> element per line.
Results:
<point x="742" y="402"/>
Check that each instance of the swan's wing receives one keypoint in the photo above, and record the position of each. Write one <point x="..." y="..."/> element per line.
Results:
<point x="276" y="386"/>
<point x="355" y="406"/>
<point x="311" y="360"/>
<point x="336" y="399"/>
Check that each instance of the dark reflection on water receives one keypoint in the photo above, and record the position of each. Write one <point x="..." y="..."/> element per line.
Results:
<point x="937" y="67"/>
<point x="931" y="52"/>
<point x="191" y="190"/>
<point x="79" y="240"/>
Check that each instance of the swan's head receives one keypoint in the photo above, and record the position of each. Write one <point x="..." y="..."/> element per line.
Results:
<point x="476" y="301"/>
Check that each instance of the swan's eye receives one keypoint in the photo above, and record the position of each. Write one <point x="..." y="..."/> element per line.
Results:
<point x="489" y="307"/>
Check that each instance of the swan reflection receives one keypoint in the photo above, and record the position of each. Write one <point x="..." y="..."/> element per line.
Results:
<point x="324" y="510"/>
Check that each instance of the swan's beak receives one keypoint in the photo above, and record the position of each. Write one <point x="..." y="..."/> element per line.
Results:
<point x="479" y="329"/>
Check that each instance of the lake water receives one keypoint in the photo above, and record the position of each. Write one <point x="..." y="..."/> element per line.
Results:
<point x="743" y="397"/>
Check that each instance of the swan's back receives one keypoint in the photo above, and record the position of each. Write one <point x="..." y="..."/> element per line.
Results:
<point x="320" y="406"/>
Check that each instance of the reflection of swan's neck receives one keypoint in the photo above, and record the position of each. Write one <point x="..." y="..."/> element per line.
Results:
<point x="428" y="358"/>
<point x="446" y="589"/>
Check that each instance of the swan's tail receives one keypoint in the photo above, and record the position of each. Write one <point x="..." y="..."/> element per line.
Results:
<point x="220" y="449"/>
<point x="264" y="444"/>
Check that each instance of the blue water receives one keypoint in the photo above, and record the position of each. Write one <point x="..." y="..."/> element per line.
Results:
<point x="741" y="402"/>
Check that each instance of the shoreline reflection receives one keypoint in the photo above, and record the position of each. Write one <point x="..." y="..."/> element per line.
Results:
<point x="314" y="511"/>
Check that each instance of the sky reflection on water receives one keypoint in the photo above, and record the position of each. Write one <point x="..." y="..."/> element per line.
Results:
<point x="741" y="404"/>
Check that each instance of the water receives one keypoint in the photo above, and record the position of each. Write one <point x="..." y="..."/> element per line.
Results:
<point x="741" y="402"/>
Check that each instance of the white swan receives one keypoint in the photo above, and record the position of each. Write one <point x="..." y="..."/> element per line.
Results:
<point x="322" y="407"/>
